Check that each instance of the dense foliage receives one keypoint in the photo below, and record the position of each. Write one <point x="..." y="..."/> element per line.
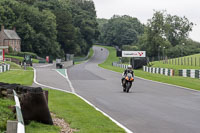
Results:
<point x="165" y="32"/>
<point x="120" y="30"/>
<point x="163" y="35"/>
<point x="52" y="27"/>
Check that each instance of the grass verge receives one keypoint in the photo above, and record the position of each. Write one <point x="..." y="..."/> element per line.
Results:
<point x="175" y="80"/>
<point x="36" y="127"/>
<point x="17" y="76"/>
<point x="77" y="113"/>
<point x="5" y="113"/>
<point x="175" y="67"/>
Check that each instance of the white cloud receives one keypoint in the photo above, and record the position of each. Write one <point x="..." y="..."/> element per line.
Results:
<point x="143" y="10"/>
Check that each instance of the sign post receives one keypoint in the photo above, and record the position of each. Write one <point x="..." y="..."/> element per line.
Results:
<point x="137" y="58"/>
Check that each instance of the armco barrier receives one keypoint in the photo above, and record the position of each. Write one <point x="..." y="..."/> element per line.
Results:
<point x="120" y="65"/>
<point x="163" y="71"/>
<point x="20" y="125"/>
<point x="190" y="73"/>
<point x="4" y="67"/>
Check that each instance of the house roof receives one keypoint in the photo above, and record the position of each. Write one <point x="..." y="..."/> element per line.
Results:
<point x="11" y="34"/>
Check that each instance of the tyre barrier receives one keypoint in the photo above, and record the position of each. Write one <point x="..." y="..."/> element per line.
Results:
<point x="4" y="67"/>
<point x="192" y="73"/>
<point x="119" y="65"/>
<point x="163" y="71"/>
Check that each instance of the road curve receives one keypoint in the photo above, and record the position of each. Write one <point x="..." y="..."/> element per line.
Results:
<point x="149" y="108"/>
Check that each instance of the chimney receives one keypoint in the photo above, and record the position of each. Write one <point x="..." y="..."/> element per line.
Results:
<point x="14" y="28"/>
<point x="2" y="27"/>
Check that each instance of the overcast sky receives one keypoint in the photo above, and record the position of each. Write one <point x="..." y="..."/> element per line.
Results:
<point x="143" y="10"/>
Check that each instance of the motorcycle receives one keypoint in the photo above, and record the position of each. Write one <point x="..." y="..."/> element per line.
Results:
<point x="127" y="82"/>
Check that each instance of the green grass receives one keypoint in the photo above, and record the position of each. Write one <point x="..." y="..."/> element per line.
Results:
<point x="5" y="113"/>
<point x="79" y="114"/>
<point x="36" y="127"/>
<point x="17" y="76"/>
<point x="111" y="58"/>
<point x="176" y="80"/>
<point x="21" y="58"/>
<point x="14" y="76"/>
<point x="178" y="67"/>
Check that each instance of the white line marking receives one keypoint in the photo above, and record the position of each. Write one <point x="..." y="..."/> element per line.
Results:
<point x="67" y="78"/>
<point x="46" y="65"/>
<point x="119" y="124"/>
<point x="156" y="81"/>
<point x="46" y="86"/>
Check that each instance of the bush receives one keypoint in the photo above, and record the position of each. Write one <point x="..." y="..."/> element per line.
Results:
<point x="21" y="54"/>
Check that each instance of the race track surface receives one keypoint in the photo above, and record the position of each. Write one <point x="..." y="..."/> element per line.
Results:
<point x="150" y="107"/>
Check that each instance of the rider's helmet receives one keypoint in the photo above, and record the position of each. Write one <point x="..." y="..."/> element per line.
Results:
<point x="130" y="67"/>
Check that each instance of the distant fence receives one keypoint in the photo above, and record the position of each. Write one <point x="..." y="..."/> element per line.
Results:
<point x="4" y="67"/>
<point x="186" y="61"/>
<point x="163" y="71"/>
<point x="190" y="73"/>
<point x="116" y="64"/>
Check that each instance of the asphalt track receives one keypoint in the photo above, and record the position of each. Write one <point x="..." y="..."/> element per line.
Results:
<point x="150" y="107"/>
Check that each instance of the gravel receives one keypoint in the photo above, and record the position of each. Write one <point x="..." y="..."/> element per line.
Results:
<point x="65" y="127"/>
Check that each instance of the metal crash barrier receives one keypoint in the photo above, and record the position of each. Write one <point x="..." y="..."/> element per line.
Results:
<point x="20" y="125"/>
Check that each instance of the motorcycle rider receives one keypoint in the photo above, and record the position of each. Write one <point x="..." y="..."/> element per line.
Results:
<point x="126" y="71"/>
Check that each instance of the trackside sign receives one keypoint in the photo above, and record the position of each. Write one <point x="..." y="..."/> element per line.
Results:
<point x="133" y="53"/>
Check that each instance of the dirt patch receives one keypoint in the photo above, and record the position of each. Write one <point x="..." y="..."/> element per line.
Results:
<point x="65" y="128"/>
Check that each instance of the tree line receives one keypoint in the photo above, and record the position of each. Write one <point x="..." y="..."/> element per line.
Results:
<point x="52" y="27"/>
<point x="163" y="35"/>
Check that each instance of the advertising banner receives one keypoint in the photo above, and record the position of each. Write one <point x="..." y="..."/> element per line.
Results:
<point x="133" y="53"/>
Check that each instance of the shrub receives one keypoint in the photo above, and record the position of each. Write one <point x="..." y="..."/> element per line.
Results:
<point x="21" y="54"/>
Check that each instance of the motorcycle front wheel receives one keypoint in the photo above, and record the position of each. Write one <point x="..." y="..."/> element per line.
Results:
<point x="128" y="86"/>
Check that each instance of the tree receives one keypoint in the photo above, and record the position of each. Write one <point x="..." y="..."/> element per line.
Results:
<point x="164" y="31"/>
<point x="46" y="26"/>
<point x="84" y="18"/>
<point x="66" y="32"/>
<point x="177" y="29"/>
<point x="37" y="29"/>
<point x="121" y="30"/>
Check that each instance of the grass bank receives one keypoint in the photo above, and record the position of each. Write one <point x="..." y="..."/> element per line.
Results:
<point x="77" y="113"/>
<point x="178" y="67"/>
<point x="176" y="80"/>
<point x="5" y="113"/>
<point x="18" y="76"/>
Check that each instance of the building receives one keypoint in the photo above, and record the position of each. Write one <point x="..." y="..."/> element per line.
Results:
<point x="10" y="38"/>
